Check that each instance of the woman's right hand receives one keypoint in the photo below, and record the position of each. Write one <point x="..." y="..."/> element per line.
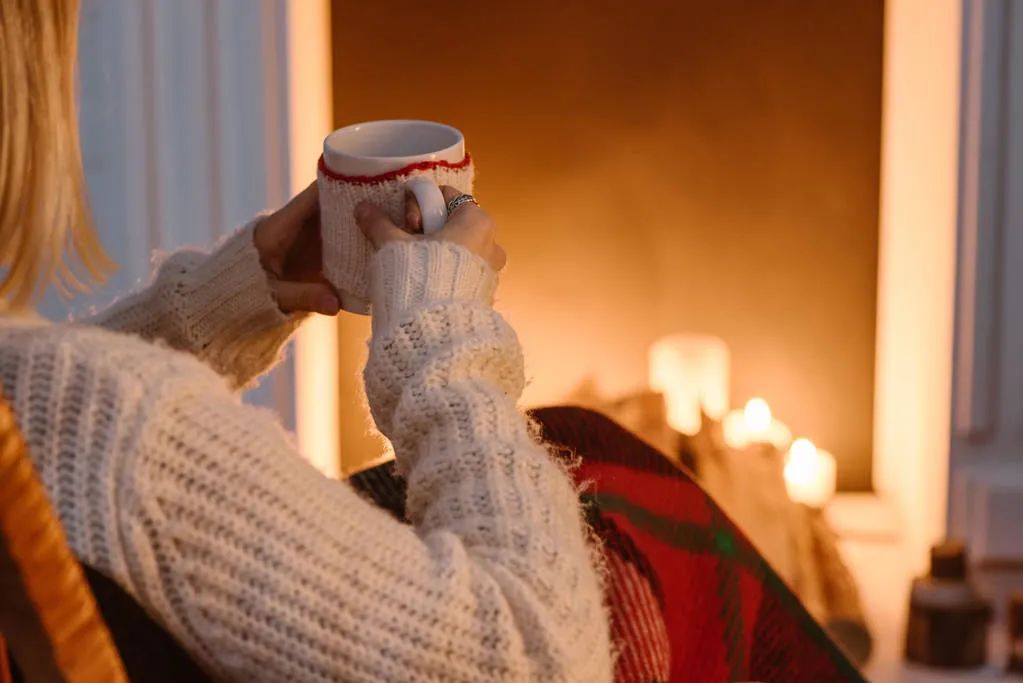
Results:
<point x="469" y="226"/>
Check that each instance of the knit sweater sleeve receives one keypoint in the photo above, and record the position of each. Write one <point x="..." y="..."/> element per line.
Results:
<point x="217" y="306"/>
<point x="269" y="571"/>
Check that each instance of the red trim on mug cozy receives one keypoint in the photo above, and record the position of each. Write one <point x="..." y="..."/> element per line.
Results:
<point x="391" y="175"/>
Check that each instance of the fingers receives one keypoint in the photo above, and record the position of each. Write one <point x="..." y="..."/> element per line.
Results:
<point x="377" y="227"/>
<point x="305" y="202"/>
<point x="469" y="226"/>
<point x="277" y="232"/>
<point x="304" y="258"/>
<point x="313" y="297"/>
<point x="299" y="211"/>
<point x="413" y="216"/>
<point x="498" y="258"/>
<point x="466" y="213"/>
<point x="450" y="192"/>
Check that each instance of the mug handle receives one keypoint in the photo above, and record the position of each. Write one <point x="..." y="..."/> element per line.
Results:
<point x="431" y="203"/>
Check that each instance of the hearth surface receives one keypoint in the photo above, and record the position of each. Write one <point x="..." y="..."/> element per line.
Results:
<point x="870" y="542"/>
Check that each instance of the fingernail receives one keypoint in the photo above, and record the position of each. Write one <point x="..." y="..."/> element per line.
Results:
<point x="328" y="304"/>
<point x="362" y="210"/>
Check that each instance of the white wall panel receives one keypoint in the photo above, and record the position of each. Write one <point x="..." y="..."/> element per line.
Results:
<point x="986" y="460"/>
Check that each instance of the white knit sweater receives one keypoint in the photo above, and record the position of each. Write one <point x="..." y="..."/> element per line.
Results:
<point x="200" y="507"/>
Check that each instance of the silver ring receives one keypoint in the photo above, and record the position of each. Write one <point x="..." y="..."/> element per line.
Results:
<point x="460" y="201"/>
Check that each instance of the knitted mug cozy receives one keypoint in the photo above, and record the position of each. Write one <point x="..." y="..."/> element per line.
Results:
<point x="346" y="251"/>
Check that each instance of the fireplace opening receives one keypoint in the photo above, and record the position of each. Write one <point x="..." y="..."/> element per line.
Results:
<point x="683" y="167"/>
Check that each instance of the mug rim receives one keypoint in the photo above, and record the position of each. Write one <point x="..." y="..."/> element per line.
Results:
<point x="408" y="169"/>
<point x="457" y="139"/>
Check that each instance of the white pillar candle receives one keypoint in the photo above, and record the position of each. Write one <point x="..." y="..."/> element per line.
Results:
<point x="755" y="424"/>
<point x="809" y="474"/>
<point x="692" y="371"/>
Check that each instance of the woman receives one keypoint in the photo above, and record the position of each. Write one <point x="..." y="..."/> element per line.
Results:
<point x="200" y="507"/>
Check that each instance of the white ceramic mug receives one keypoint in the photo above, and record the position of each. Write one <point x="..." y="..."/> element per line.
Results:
<point x="378" y="161"/>
<point x="378" y="147"/>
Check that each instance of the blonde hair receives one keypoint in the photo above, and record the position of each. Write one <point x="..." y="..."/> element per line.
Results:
<point x="46" y="232"/>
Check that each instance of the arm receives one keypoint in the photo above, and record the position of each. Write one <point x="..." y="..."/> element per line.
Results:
<point x="216" y="306"/>
<point x="226" y="307"/>
<point x="271" y="572"/>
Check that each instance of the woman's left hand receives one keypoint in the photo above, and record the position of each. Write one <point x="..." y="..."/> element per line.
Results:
<point x="288" y="242"/>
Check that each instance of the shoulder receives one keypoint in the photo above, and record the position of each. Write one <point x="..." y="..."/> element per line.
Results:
<point x="127" y="358"/>
<point x="57" y="375"/>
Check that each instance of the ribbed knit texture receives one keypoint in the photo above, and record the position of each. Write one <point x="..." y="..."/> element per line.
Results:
<point x="346" y="250"/>
<point x="219" y="310"/>
<point x="200" y="507"/>
<point x="434" y="271"/>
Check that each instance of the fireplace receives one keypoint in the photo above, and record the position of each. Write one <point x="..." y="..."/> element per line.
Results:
<point x="734" y="193"/>
<point x="703" y="169"/>
<point x="696" y="167"/>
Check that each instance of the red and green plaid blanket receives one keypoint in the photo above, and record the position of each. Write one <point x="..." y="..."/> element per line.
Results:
<point x="727" y="615"/>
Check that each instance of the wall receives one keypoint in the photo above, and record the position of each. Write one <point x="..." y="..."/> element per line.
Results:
<point x="657" y="166"/>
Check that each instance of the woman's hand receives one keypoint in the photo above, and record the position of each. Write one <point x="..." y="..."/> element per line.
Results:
<point x="469" y="226"/>
<point x="288" y="242"/>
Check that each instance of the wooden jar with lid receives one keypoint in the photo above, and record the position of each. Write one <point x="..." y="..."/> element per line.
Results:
<point x="948" y="619"/>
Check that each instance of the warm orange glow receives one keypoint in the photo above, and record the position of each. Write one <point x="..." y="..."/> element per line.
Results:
<point x="630" y="217"/>
<point x="755" y="424"/>
<point x="809" y="474"/>
<point x="692" y="371"/>
<point x="309" y="119"/>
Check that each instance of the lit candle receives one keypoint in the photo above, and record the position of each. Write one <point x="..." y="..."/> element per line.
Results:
<point x="692" y="371"/>
<point x="809" y="474"/>
<point x="755" y="424"/>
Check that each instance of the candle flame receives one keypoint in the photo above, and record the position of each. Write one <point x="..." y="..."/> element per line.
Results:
<point x="757" y="415"/>
<point x="755" y="424"/>
<point x="809" y="474"/>
<point x="802" y="451"/>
